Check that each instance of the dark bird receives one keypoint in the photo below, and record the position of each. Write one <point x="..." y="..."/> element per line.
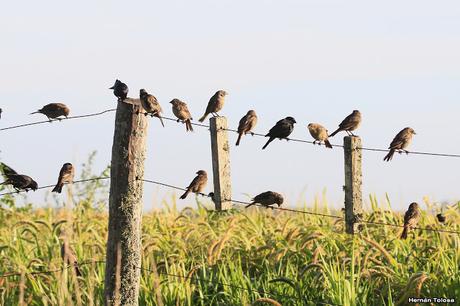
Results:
<point x="69" y="257"/>
<point x="54" y="110"/>
<point x="1" y="111"/>
<point x="215" y="104"/>
<point x="180" y="110"/>
<point x="65" y="177"/>
<point x="401" y="141"/>
<point x="247" y="123"/>
<point x="151" y="105"/>
<point x="198" y="184"/>
<point x="410" y="219"/>
<point x="319" y="133"/>
<point x="267" y="198"/>
<point x="120" y="90"/>
<point x="282" y="129"/>
<point x="349" y="124"/>
<point x="18" y="181"/>
<point x="441" y="218"/>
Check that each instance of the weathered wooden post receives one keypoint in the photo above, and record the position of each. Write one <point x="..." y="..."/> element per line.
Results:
<point x="220" y="149"/>
<point x="353" y="183"/>
<point x="125" y="206"/>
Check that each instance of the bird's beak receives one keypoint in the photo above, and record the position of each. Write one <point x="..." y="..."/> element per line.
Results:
<point x="415" y="133"/>
<point x="113" y="87"/>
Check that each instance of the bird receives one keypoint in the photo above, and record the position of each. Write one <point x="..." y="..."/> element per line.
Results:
<point x="180" y="110"/>
<point x="18" y="181"/>
<point x="69" y="257"/>
<point x="120" y="90"/>
<point x="215" y="104"/>
<point x="1" y="111"/>
<point x="441" y="218"/>
<point x="401" y="141"/>
<point x="267" y="198"/>
<point x="65" y="177"/>
<point x="151" y="105"/>
<point x="198" y="183"/>
<point x="247" y="123"/>
<point x="54" y="110"/>
<point x="349" y="124"/>
<point x="319" y="133"/>
<point x="411" y="218"/>
<point x="282" y="129"/>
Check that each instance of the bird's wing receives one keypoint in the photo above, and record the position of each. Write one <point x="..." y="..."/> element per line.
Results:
<point x="349" y="121"/>
<point x="399" y="140"/>
<point x="242" y="124"/>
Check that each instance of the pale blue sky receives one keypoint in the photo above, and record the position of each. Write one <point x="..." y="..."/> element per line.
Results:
<point x="395" y="61"/>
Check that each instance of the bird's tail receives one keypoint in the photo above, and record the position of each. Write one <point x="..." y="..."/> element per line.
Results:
<point x="161" y="119"/>
<point x="404" y="233"/>
<point x="336" y="131"/>
<point x="389" y="156"/>
<point x="188" y="125"/>
<point x="327" y="144"/>
<point x="253" y="203"/>
<point x="185" y="194"/>
<point x="268" y="142"/>
<point x="239" y="139"/>
<point x="58" y="187"/>
<point x="204" y="117"/>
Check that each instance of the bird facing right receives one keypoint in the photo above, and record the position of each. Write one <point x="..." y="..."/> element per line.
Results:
<point x="319" y="133"/>
<point x="267" y="199"/>
<point x="411" y="218"/>
<point x="247" y="123"/>
<point x="18" y="181"/>
<point x="65" y="177"/>
<point x="180" y="110"/>
<point x="349" y="124"/>
<point x="198" y="184"/>
<point x="400" y="142"/>
<point x="151" y="105"/>
<point x="120" y="90"/>
<point x="282" y="129"/>
<point x="215" y="104"/>
<point x="54" y="110"/>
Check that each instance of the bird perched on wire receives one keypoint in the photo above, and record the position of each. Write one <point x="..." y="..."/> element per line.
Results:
<point x="319" y="133"/>
<point x="1" y="111"/>
<point x="151" y="105"/>
<point x="180" y="110"/>
<point x="68" y="254"/>
<point x="349" y="124"/>
<point x="54" y="110"/>
<point x="18" y="181"/>
<point x="120" y="90"/>
<point x="247" y="123"/>
<point x="282" y="129"/>
<point x="411" y="218"/>
<point x="401" y="141"/>
<point x="267" y="199"/>
<point x="215" y="104"/>
<point x="198" y="184"/>
<point x="65" y="177"/>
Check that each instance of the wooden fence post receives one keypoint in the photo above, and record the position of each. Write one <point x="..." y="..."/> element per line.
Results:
<point x="221" y="163"/>
<point x="125" y="206"/>
<point x="353" y="183"/>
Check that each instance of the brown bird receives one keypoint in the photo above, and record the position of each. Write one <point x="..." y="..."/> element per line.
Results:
<point x="247" y="123"/>
<point x="69" y="257"/>
<point x="65" y="177"/>
<point x="349" y="124"/>
<point x="282" y="129"/>
<point x="215" y="104"/>
<point x="180" y="110"/>
<point x="401" y="141"/>
<point x="198" y="184"/>
<point x="54" y="110"/>
<point x="319" y="133"/>
<point x="18" y="181"/>
<point x="267" y="198"/>
<point x="151" y="105"/>
<point x="411" y="218"/>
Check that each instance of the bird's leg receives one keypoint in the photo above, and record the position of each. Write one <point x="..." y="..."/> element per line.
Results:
<point x="252" y="133"/>
<point x="352" y="134"/>
<point x="49" y="119"/>
<point x="407" y="152"/>
<point x="179" y="120"/>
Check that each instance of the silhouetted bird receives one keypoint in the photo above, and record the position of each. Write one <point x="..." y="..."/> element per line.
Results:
<point x="267" y="198"/>
<point x="54" y="110"/>
<point x="65" y="177"/>
<point x="120" y="90"/>
<point x="247" y="123"/>
<point x="411" y="218"/>
<point x="441" y="218"/>
<point x="215" y="104"/>
<point x="69" y="257"/>
<point x="282" y="129"/>
<point x="198" y="184"/>
<point x="18" y="181"/>
<point x="319" y="133"/>
<point x="400" y="142"/>
<point x="180" y="110"/>
<point x="151" y="105"/>
<point x="1" y="111"/>
<point x="349" y="124"/>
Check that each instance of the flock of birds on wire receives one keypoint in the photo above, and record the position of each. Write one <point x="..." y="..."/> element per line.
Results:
<point x="281" y="130"/>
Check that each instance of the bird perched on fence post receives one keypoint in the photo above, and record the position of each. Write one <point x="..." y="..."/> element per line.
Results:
<point x="151" y="105"/>
<point x="215" y="104"/>
<point x="65" y="177"/>
<point x="53" y="111"/>
<point x="180" y="110"/>
<point x="18" y="181"/>
<point x="349" y="124"/>
<point x="198" y="184"/>
<point x="282" y="129"/>
<point x="319" y="133"/>
<point x="120" y="90"/>
<point x="247" y="123"/>
<point x="400" y="142"/>
<point x="267" y="198"/>
<point x="411" y="218"/>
